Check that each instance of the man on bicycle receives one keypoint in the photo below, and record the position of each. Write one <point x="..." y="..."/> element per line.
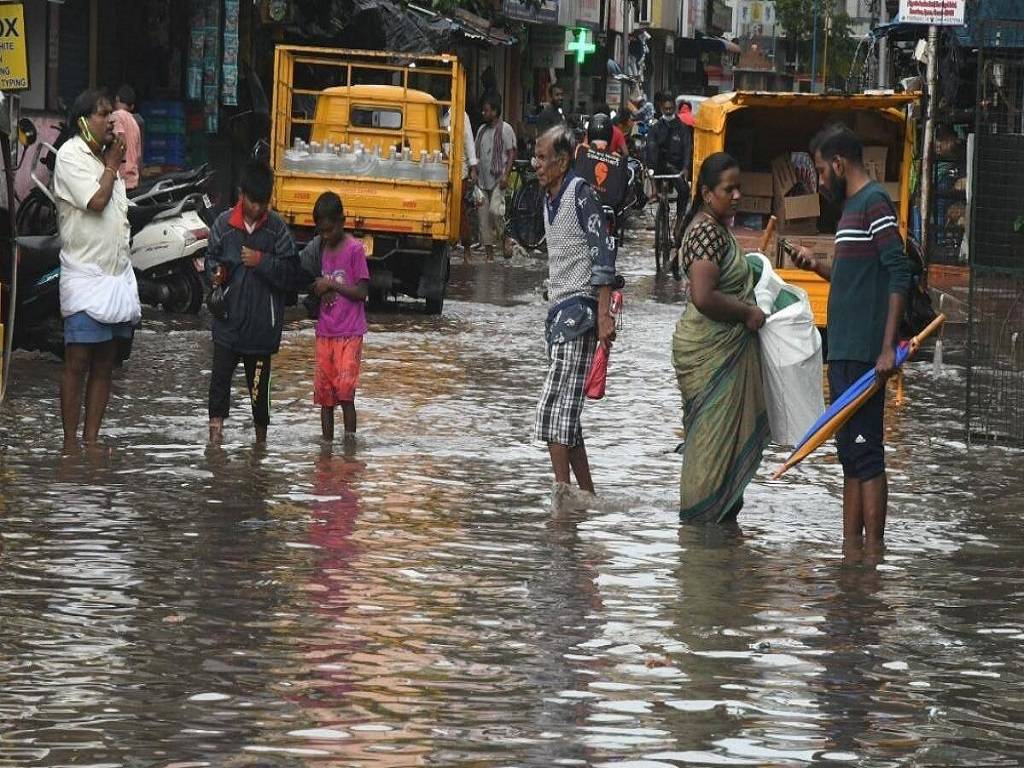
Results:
<point x="670" y="150"/>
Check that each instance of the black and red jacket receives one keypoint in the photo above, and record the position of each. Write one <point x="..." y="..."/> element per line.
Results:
<point x="255" y="295"/>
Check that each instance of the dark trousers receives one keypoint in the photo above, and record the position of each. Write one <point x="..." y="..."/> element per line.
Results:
<point x="257" y="378"/>
<point x="682" y="203"/>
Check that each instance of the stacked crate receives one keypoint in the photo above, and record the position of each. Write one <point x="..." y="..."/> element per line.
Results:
<point x="165" y="142"/>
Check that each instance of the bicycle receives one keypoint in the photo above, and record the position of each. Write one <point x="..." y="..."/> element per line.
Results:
<point x="664" y="230"/>
<point x="524" y="207"/>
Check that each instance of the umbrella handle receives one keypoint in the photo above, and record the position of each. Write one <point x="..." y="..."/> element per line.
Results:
<point x="926" y="332"/>
<point x="768" y="232"/>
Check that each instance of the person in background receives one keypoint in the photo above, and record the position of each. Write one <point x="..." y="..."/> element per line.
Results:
<point x="496" y="151"/>
<point x="716" y="355"/>
<point x="670" y="151"/>
<point x="99" y="298"/>
<point x="869" y="277"/>
<point x="469" y="171"/>
<point x="581" y="267"/>
<point x="126" y="124"/>
<point x="552" y="114"/>
<point x="685" y="112"/>
<point x="252" y="256"/>
<point x="125" y="99"/>
<point x="336" y="263"/>
<point x="618" y="142"/>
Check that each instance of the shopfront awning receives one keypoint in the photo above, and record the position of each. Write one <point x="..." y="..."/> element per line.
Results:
<point x="710" y="44"/>
<point x="466" y="25"/>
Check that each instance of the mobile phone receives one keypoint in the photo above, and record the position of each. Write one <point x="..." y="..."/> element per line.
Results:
<point x="83" y="126"/>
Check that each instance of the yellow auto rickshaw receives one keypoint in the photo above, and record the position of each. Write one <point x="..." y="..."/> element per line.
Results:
<point x="758" y="128"/>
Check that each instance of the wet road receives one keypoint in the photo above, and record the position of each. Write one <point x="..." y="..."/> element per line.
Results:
<point x="412" y="602"/>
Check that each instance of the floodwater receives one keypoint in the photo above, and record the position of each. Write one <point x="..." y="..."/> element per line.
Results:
<point x="413" y="602"/>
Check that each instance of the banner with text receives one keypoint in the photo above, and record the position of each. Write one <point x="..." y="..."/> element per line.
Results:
<point x="13" y="56"/>
<point x="939" y="12"/>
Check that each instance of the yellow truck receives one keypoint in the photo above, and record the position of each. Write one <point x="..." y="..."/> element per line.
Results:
<point x="377" y="128"/>
<point x="756" y="127"/>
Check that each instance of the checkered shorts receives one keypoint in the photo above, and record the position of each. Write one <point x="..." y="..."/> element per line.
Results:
<point x="561" y="399"/>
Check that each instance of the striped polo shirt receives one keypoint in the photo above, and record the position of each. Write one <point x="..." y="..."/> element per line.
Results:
<point x="869" y="265"/>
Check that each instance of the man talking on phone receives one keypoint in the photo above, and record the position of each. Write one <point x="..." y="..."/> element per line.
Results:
<point x="99" y="298"/>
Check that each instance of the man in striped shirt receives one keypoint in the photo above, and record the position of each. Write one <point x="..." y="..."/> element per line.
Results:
<point x="869" y="276"/>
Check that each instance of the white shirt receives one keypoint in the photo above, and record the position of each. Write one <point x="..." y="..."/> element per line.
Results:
<point x="90" y="237"/>
<point x="469" y="159"/>
<point x="96" y="275"/>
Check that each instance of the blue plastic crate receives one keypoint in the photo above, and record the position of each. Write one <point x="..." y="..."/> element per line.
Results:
<point x="158" y="109"/>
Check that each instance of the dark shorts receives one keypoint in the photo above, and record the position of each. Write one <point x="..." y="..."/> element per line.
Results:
<point x="861" y="440"/>
<point x="80" y="328"/>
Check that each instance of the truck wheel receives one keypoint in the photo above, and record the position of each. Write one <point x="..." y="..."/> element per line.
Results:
<point x="434" y="279"/>
<point x="186" y="291"/>
<point x="435" y="304"/>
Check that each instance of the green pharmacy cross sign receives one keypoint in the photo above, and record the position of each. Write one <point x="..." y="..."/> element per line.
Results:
<point x="581" y="46"/>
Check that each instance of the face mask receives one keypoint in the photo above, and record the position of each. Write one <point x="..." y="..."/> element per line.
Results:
<point x="668" y="118"/>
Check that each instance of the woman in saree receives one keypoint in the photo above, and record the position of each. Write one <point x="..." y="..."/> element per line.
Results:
<point x="716" y="354"/>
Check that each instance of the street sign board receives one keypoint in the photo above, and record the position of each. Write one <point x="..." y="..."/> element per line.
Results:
<point x="939" y="12"/>
<point x="13" y="54"/>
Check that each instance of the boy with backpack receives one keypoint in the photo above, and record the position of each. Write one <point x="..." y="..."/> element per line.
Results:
<point x="336" y="263"/>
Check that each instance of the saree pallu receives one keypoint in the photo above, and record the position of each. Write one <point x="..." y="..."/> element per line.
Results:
<point x="718" y="367"/>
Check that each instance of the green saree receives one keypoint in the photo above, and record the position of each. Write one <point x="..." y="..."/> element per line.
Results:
<point x="718" y="366"/>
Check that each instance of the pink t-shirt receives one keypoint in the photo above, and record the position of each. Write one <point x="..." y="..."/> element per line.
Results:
<point x="124" y="122"/>
<point x="341" y="316"/>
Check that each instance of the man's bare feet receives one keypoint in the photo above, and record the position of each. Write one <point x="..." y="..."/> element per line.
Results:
<point x="216" y="431"/>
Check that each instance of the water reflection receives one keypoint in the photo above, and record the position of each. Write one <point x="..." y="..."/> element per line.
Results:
<point x="410" y="601"/>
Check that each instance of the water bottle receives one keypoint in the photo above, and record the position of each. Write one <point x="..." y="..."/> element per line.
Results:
<point x="364" y="163"/>
<point x="438" y="168"/>
<point x="405" y="168"/>
<point x="386" y="167"/>
<point x="295" y="158"/>
<point x="346" y="159"/>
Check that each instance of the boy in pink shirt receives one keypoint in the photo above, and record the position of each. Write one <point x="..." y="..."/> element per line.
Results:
<point x="337" y="264"/>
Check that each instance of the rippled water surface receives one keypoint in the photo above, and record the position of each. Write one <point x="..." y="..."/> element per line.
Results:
<point x="413" y="602"/>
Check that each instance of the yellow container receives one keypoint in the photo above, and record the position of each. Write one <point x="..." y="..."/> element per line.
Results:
<point x="771" y="124"/>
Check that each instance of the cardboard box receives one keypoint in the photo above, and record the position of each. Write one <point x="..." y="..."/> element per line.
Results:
<point x="752" y="204"/>
<point x="894" y="188"/>
<point x="822" y="246"/>
<point x="749" y="240"/>
<point x="801" y="227"/>
<point x="800" y="207"/>
<point x="783" y="175"/>
<point x="756" y="185"/>
<point x="874" y="162"/>
<point x="751" y="221"/>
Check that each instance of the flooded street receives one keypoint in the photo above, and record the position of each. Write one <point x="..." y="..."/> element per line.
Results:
<point x="412" y="601"/>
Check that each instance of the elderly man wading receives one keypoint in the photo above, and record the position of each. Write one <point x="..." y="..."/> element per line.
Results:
<point x="581" y="273"/>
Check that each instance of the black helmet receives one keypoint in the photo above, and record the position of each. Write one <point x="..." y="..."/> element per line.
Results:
<point x="599" y="129"/>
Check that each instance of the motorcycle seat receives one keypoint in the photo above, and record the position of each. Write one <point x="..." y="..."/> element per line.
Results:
<point x="39" y="254"/>
<point x="140" y="215"/>
<point x="177" y="177"/>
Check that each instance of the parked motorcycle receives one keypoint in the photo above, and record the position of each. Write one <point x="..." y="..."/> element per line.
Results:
<point x="168" y="239"/>
<point x="38" y="325"/>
